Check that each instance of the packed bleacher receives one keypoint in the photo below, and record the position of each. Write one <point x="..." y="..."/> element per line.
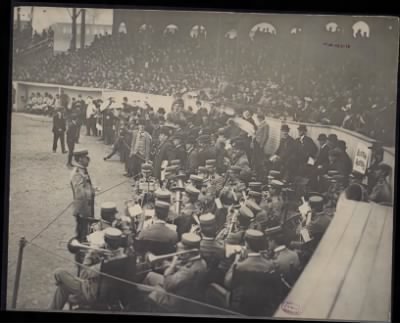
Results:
<point x="340" y="94"/>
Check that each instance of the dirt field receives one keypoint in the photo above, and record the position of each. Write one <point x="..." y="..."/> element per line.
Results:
<point x="39" y="191"/>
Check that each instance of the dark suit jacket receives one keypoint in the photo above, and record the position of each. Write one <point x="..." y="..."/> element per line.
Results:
<point x="58" y="123"/>
<point x="164" y="152"/>
<point x="307" y="148"/>
<point x="323" y="156"/>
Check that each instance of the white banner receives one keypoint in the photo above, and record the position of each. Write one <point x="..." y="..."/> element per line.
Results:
<point x="361" y="158"/>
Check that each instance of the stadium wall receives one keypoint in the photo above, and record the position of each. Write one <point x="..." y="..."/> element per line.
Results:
<point x="352" y="139"/>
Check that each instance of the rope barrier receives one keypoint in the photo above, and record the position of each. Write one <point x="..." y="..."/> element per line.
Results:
<point x="141" y="286"/>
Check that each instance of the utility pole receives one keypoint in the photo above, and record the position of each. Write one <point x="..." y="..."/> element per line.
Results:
<point x="83" y="27"/>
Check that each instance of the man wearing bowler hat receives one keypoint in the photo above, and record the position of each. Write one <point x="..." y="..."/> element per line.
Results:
<point x="323" y="153"/>
<point x="307" y="150"/>
<point x="286" y="156"/>
<point x="83" y="194"/>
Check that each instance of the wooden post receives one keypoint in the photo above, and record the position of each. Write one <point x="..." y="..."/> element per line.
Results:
<point x="22" y="244"/>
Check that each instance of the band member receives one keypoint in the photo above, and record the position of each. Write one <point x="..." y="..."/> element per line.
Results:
<point x="320" y="220"/>
<point x="158" y="238"/>
<point x="286" y="261"/>
<point x="108" y="211"/>
<point x="59" y="131"/>
<point x="274" y="204"/>
<point x="165" y="196"/>
<point x="190" y="208"/>
<point x="83" y="194"/>
<point x="382" y="192"/>
<point x="85" y="288"/>
<point x="211" y="249"/>
<point x="240" y="224"/>
<point x="140" y="148"/>
<point x="215" y="181"/>
<point x="184" y="277"/>
<point x="180" y="150"/>
<point x="246" y="276"/>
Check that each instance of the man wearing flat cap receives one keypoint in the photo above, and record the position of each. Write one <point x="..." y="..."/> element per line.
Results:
<point x="246" y="276"/>
<point x="185" y="277"/>
<point x="286" y="156"/>
<point x="83" y="194"/>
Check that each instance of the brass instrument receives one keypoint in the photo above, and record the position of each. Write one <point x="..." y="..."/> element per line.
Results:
<point x="74" y="246"/>
<point x="152" y="259"/>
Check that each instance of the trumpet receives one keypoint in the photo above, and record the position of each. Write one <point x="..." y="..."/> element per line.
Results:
<point x="74" y="246"/>
<point x="152" y="259"/>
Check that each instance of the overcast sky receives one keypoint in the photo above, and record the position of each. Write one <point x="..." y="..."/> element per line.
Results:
<point x="43" y="17"/>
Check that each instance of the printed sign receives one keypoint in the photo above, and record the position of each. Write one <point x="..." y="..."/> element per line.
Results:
<point x="361" y="159"/>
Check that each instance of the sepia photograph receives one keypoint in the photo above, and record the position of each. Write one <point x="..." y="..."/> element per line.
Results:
<point x="202" y="163"/>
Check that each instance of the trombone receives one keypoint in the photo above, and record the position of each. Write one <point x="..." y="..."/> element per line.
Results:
<point x="152" y="259"/>
<point x="74" y="246"/>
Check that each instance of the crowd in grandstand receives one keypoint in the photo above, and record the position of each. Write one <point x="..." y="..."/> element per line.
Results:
<point x="247" y="77"/>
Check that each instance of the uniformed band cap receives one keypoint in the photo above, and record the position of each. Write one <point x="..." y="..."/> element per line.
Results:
<point x="274" y="173"/>
<point x="246" y="212"/>
<point x="315" y="200"/>
<point x="333" y="172"/>
<point x="236" y="169"/>
<point x="196" y="178"/>
<point x="273" y="230"/>
<point x="175" y="162"/>
<point x="252" y="234"/>
<point x="253" y="206"/>
<point x="276" y="183"/>
<point x="147" y="167"/>
<point x="211" y="162"/>
<point x="202" y="169"/>
<point x="112" y="233"/>
<point x="207" y="219"/>
<point x="191" y="240"/>
<point x="191" y="190"/>
<point x="254" y="194"/>
<point x="83" y="152"/>
<point x="255" y="185"/>
<point x="162" y="194"/>
<point x="171" y="169"/>
<point x="355" y="174"/>
<point x="109" y="207"/>
<point x="162" y="205"/>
